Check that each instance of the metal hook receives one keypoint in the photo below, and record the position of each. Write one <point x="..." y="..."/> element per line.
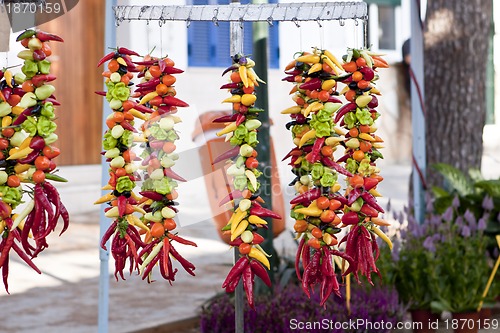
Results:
<point x="356" y="22"/>
<point x="215" y="20"/>
<point x="241" y="22"/>
<point x="143" y="10"/>
<point x="161" y="21"/>
<point x="270" y="21"/>
<point x="341" y="22"/>
<point x="319" y="22"/>
<point x="294" y="20"/>
<point x="188" y="20"/>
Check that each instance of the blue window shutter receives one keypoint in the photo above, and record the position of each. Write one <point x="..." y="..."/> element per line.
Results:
<point x="208" y="45"/>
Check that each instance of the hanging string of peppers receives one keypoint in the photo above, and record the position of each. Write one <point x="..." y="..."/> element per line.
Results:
<point x="118" y="141"/>
<point x="241" y="131"/>
<point x="318" y="204"/>
<point x="362" y="146"/>
<point x="27" y="153"/>
<point x="157" y="93"/>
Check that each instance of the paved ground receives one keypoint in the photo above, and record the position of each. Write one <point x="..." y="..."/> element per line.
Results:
<point x="65" y="297"/>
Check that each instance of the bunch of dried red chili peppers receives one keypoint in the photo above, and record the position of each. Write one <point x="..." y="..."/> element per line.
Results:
<point x="318" y="129"/>
<point x="27" y="106"/>
<point x="241" y="131"/>
<point x="154" y="103"/>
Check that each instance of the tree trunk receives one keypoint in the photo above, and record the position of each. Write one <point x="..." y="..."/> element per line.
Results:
<point x="456" y="39"/>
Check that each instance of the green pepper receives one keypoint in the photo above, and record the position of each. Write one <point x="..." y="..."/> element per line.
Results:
<point x="30" y="68"/>
<point x="240" y="182"/>
<point x="317" y="171"/>
<point x="43" y="67"/>
<point x="121" y="92"/>
<point x="328" y="179"/>
<point x="163" y="186"/>
<point x="251" y="139"/>
<point x="108" y="141"/>
<point x="124" y="184"/>
<point x="45" y="126"/>
<point x="29" y="126"/>
<point x="11" y="195"/>
<point x="48" y="110"/>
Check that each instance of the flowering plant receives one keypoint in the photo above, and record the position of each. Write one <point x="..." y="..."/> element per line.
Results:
<point x="443" y="263"/>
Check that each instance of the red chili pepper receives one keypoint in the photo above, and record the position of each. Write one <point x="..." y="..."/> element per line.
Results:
<point x="297" y="257"/>
<point x="123" y="50"/>
<point x="290" y="78"/>
<point x="369" y="210"/>
<point x="260" y="211"/>
<point x="354" y="194"/>
<point x="307" y="197"/>
<point x="181" y="240"/>
<point x="7" y="244"/>
<point x="293" y="152"/>
<point x="155" y="196"/>
<point x="232" y="85"/>
<point x="126" y="125"/>
<point x="150" y="84"/>
<point x="344" y="109"/>
<point x="150" y="266"/>
<point x="230" y="68"/>
<point x="44" y="37"/>
<point x="40" y="79"/>
<point x="226" y="119"/>
<point x="107" y="235"/>
<point x="314" y="155"/>
<point x="236" y="270"/>
<point x="370" y="183"/>
<point x="240" y="118"/>
<point x="5" y="273"/>
<point x="171" y="174"/>
<point x="335" y="166"/>
<point x="248" y="281"/>
<point x="174" y="101"/>
<point x="142" y="108"/>
<point x="313" y="84"/>
<point x="370" y="199"/>
<point x="188" y="266"/>
<point x="100" y="93"/>
<point x="166" y="258"/>
<point x="107" y="57"/>
<point x="122" y="205"/>
<point x="261" y="272"/>
<point x="236" y="194"/>
<point x="23" y="116"/>
<point x="350" y="218"/>
<point x="51" y="100"/>
<point x="233" y="152"/>
<point x="172" y="70"/>
<point x="257" y="238"/>
<point x="231" y="286"/>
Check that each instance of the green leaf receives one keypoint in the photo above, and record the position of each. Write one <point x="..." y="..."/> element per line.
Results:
<point x="492" y="187"/>
<point x="455" y="179"/>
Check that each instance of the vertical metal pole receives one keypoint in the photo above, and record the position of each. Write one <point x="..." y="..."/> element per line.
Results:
<point x="236" y="46"/>
<point x="102" y="318"/>
<point x="418" y="118"/>
<point x="260" y="37"/>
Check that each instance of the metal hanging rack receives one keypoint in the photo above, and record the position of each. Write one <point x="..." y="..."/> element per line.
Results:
<point x="295" y="12"/>
<point x="237" y="14"/>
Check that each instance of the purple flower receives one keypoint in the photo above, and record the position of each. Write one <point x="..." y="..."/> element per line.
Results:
<point x="469" y="217"/>
<point x="481" y="224"/>
<point x="448" y="214"/>
<point x="456" y="202"/>
<point x="465" y="231"/>
<point x="459" y="222"/>
<point x="429" y="244"/>
<point x="488" y="203"/>
<point x="435" y="221"/>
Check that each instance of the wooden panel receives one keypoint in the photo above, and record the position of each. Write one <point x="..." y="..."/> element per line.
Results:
<point x="74" y="64"/>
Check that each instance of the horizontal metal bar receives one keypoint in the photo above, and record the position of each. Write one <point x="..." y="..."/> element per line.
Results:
<point x="318" y="11"/>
